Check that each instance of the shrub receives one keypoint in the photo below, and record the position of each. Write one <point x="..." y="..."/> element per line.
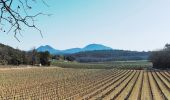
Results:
<point x="161" y="58"/>
<point x="44" y="58"/>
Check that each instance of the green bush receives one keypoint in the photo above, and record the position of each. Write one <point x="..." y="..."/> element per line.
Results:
<point x="161" y="58"/>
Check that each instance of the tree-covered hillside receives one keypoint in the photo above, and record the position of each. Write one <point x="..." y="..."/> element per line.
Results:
<point x="110" y="55"/>
<point x="11" y="56"/>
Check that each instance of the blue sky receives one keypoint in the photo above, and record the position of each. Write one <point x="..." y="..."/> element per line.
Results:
<point x="120" y="24"/>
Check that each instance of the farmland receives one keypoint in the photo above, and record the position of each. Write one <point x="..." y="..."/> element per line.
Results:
<point x="105" y="65"/>
<point x="89" y="84"/>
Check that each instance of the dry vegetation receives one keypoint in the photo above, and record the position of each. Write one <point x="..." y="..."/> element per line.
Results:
<point x="75" y="84"/>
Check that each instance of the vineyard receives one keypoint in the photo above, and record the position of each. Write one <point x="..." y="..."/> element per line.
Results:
<point x="83" y="84"/>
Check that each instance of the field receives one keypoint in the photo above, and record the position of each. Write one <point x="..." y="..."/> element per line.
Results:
<point x="105" y="65"/>
<point x="56" y="83"/>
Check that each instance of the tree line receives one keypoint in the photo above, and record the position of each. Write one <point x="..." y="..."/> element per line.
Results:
<point x="109" y="55"/>
<point x="11" y="56"/>
<point x="161" y="58"/>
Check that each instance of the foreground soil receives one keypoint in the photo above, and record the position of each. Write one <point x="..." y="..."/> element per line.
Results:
<point x="75" y="84"/>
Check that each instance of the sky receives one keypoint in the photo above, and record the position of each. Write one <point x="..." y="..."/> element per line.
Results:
<point x="140" y="25"/>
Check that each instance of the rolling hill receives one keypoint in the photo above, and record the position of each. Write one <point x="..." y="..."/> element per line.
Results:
<point x="110" y="55"/>
<point x="97" y="53"/>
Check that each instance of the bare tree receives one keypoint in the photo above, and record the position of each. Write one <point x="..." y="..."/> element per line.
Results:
<point x="14" y="16"/>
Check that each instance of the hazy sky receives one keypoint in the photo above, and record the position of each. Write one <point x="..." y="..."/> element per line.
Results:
<point x="120" y="24"/>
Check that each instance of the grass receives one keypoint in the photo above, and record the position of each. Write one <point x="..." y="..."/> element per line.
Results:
<point x="105" y="65"/>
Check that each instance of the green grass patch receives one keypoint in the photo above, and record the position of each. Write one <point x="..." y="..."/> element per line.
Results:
<point x="105" y="65"/>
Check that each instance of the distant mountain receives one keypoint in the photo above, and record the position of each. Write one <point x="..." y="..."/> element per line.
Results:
<point x="71" y="51"/>
<point x="93" y="47"/>
<point x="90" y="47"/>
<point x="48" y="48"/>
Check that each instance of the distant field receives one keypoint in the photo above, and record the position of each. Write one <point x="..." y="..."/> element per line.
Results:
<point x="47" y="83"/>
<point x="105" y="65"/>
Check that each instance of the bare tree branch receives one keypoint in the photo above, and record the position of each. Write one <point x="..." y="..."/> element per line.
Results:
<point x="14" y="14"/>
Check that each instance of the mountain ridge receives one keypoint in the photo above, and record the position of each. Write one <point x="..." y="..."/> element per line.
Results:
<point x="90" y="47"/>
<point x="48" y="48"/>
